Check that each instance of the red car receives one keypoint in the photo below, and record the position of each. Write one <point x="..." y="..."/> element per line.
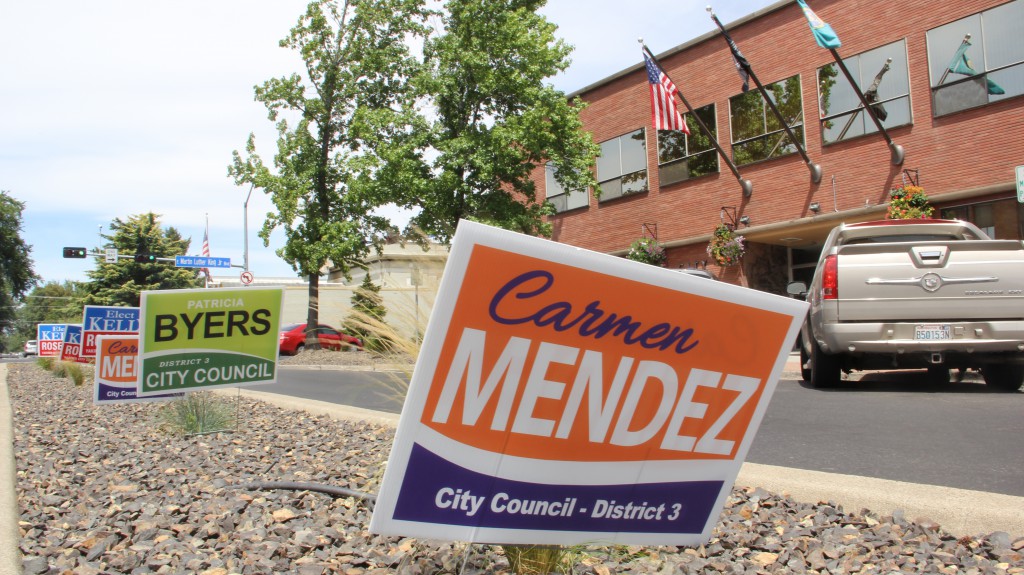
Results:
<point x="293" y="338"/>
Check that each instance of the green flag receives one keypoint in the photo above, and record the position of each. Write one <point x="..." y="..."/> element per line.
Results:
<point x="961" y="64"/>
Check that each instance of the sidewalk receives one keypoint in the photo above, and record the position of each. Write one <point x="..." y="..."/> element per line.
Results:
<point x="10" y="536"/>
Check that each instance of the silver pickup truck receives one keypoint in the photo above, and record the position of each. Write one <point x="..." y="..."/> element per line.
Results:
<point x="915" y="294"/>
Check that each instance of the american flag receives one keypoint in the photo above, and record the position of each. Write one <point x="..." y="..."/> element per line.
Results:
<point x="664" y="114"/>
<point x="206" y="247"/>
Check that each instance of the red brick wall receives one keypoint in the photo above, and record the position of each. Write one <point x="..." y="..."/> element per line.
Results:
<point x="966" y="150"/>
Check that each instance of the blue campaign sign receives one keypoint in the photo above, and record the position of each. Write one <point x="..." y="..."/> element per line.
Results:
<point x="51" y="338"/>
<point x="201" y="262"/>
<point x="107" y="320"/>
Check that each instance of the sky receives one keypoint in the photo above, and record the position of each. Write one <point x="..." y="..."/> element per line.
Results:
<point x="110" y="109"/>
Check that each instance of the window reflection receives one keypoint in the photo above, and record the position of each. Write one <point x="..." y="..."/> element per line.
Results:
<point x="681" y="157"/>
<point x="882" y="76"/>
<point x="561" y="199"/>
<point x="977" y="60"/>
<point x="756" y="133"/>
<point x="622" y="166"/>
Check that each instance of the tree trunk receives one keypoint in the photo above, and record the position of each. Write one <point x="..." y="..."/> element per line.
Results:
<point x="313" y="315"/>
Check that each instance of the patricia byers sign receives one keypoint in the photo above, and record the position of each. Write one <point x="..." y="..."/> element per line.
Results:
<point x="568" y="397"/>
<point x="198" y="339"/>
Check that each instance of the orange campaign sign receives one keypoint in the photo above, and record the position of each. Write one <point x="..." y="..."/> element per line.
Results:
<point x="117" y="369"/>
<point x="566" y="397"/>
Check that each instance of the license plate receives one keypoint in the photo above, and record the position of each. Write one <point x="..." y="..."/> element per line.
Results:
<point x="931" y="332"/>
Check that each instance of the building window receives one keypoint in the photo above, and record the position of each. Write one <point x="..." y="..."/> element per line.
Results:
<point x="886" y="84"/>
<point x="1002" y="219"/>
<point x="562" y="200"/>
<point x="681" y="157"/>
<point x="988" y="67"/>
<point x="622" y="165"/>
<point x="757" y="133"/>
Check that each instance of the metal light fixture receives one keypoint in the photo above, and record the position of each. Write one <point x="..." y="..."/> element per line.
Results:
<point x="745" y="220"/>
<point x="815" y="207"/>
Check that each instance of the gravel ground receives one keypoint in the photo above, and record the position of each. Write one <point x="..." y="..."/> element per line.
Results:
<point x="103" y="490"/>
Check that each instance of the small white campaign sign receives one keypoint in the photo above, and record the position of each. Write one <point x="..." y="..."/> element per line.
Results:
<point x="568" y="397"/>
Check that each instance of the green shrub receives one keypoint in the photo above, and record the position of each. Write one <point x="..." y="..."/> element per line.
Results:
<point x="45" y="363"/>
<point x="199" y="412"/>
<point x="59" y="368"/>
<point x="75" y="373"/>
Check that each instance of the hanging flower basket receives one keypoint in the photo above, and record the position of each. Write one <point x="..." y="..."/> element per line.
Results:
<point x="908" y="203"/>
<point x="726" y="248"/>
<point x="648" y="251"/>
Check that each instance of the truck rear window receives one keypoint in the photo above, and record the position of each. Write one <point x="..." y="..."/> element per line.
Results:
<point x="902" y="238"/>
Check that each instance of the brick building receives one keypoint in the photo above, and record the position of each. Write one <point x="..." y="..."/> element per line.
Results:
<point x="961" y="134"/>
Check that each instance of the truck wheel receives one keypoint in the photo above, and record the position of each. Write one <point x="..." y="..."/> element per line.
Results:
<point x="825" y="368"/>
<point x="1005" y="377"/>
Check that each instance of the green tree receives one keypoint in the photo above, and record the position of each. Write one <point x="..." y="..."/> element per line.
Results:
<point x="52" y="302"/>
<point x="123" y="282"/>
<point x="494" y="120"/>
<point x="16" y="273"/>
<point x="352" y="109"/>
<point x="367" y="311"/>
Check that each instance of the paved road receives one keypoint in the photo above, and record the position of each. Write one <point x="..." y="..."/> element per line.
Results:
<point x="897" y="426"/>
<point x="888" y="426"/>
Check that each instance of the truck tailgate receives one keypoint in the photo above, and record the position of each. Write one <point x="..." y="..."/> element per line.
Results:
<point x="955" y="280"/>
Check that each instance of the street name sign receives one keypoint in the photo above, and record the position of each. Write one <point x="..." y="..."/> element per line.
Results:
<point x="566" y="397"/>
<point x="201" y="262"/>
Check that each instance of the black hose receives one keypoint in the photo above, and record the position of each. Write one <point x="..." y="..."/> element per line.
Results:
<point x="318" y="487"/>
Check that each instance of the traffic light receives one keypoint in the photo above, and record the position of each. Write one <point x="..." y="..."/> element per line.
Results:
<point x="74" y="252"/>
<point x="145" y="258"/>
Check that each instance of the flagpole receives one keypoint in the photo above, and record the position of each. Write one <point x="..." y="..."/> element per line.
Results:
<point x="873" y="90"/>
<point x="814" y="168"/>
<point x="945" y="73"/>
<point x="896" y="150"/>
<point x="745" y="185"/>
<point x="206" y="241"/>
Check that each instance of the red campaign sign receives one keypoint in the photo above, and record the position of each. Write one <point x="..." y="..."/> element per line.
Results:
<point x="71" y="350"/>
<point x="50" y="348"/>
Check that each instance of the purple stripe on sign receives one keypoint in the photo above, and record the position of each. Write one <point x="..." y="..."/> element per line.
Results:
<point x="436" y="490"/>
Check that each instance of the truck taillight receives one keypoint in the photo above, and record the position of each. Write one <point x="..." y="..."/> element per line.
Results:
<point x="830" y="278"/>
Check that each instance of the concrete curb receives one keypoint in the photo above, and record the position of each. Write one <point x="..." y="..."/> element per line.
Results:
<point x="10" y="536"/>
<point x="959" y="511"/>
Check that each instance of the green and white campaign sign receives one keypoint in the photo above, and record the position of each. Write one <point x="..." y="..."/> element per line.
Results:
<point x="197" y="339"/>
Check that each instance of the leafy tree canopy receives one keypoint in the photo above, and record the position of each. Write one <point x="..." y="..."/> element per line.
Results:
<point x="16" y="273"/>
<point x="52" y="302"/>
<point x="355" y="93"/>
<point x="350" y="112"/>
<point x="122" y="283"/>
<point x="494" y="120"/>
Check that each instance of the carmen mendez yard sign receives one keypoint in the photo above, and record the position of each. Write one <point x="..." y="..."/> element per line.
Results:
<point x="555" y="401"/>
<point x="202" y="339"/>
<point x="117" y="369"/>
